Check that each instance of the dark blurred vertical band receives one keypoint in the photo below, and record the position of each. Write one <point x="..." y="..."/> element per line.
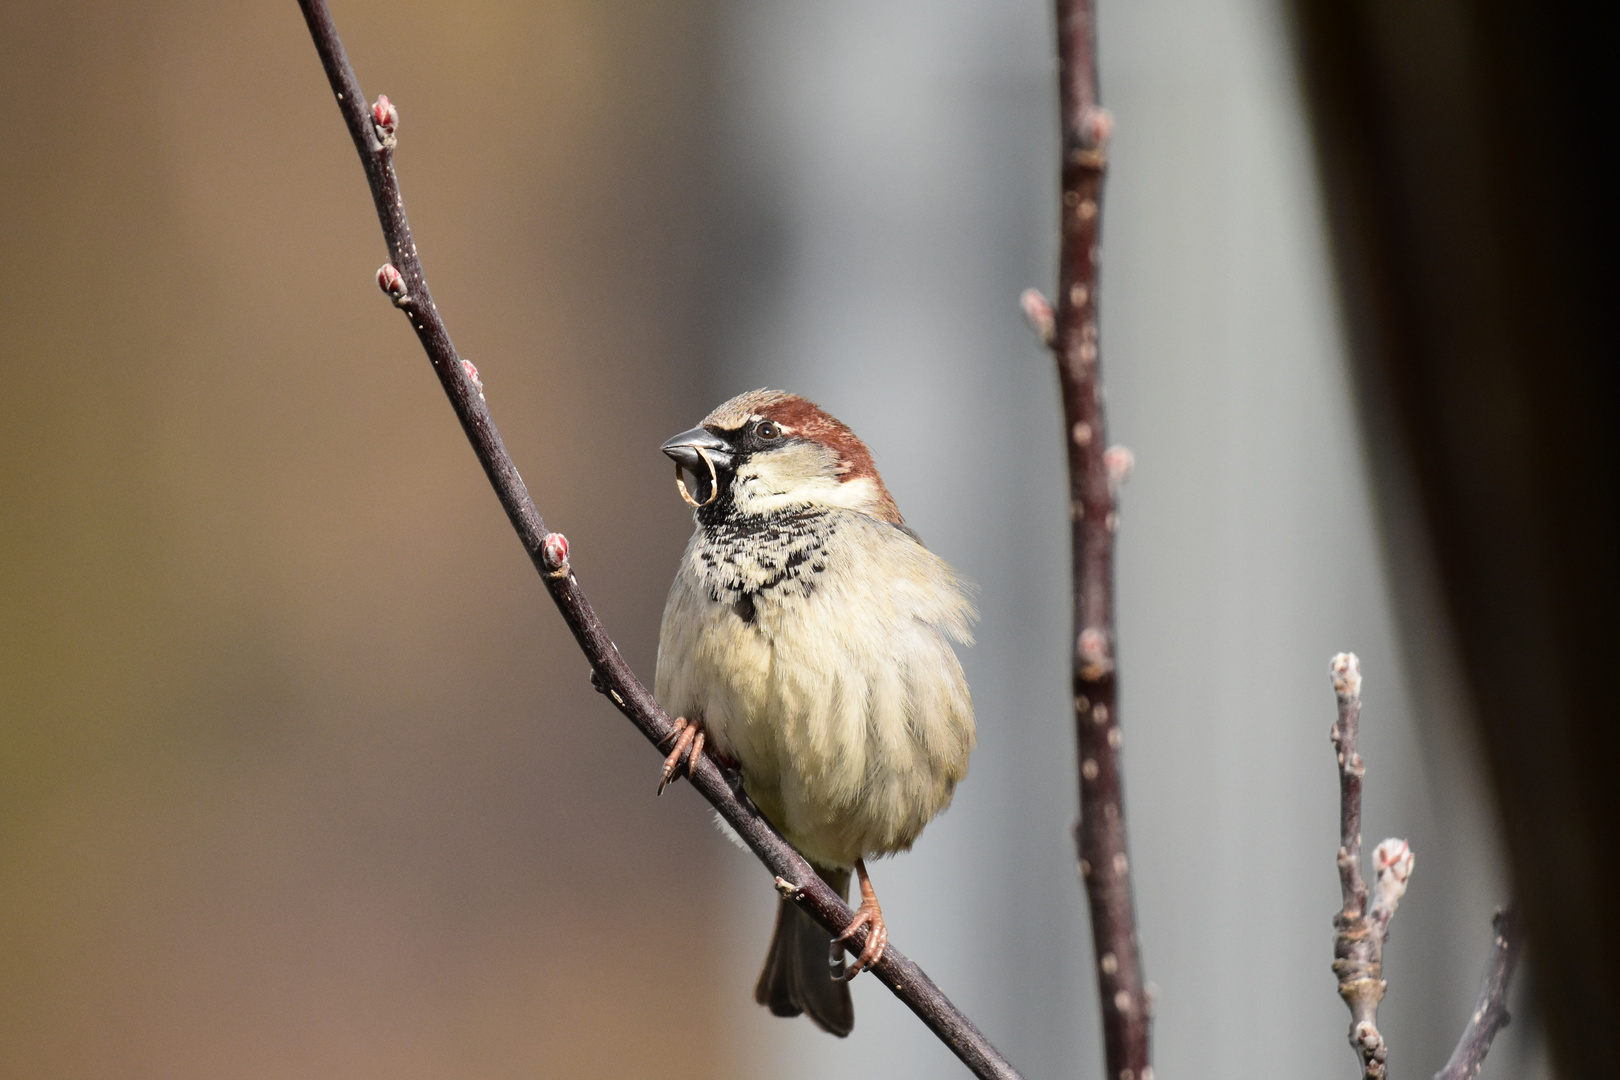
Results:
<point x="1468" y="153"/>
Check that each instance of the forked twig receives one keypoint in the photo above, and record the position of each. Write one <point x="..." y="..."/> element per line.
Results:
<point x="373" y="130"/>
<point x="1361" y="930"/>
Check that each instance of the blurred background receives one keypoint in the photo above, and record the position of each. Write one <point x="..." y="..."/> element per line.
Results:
<point x="300" y="772"/>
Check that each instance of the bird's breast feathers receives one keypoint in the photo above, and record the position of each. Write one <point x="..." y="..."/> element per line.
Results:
<point x="815" y="647"/>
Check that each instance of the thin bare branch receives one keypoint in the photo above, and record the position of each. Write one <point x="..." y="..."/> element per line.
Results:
<point x="374" y="132"/>
<point x="1490" y="1014"/>
<point x="1361" y="930"/>
<point x="1070" y="328"/>
<point x="1347" y="688"/>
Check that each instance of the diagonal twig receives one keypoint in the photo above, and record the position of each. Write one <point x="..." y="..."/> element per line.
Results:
<point x="1070" y="329"/>
<point x="373" y="130"/>
<point x="1490" y="1015"/>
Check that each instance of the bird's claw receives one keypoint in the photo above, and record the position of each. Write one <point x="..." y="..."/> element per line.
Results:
<point x="688" y="737"/>
<point x="870" y="916"/>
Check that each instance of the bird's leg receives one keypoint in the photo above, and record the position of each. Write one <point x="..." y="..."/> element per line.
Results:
<point x="688" y="736"/>
<point x="870" y="916"/>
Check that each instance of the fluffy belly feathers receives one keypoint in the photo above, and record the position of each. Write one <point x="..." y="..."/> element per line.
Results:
<point x="837" y="692"/>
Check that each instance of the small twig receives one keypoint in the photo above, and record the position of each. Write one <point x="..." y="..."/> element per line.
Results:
<point x="1347" y="688"/>
<point x="402" y="279"/>
<point x="1070" y="329"/>
<point x="1490" y="1015"/>
<point x="1358" y="945"/>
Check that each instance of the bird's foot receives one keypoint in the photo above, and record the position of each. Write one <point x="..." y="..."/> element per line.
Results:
<point x="870" y="916"/>
<point x="688" y="737"/>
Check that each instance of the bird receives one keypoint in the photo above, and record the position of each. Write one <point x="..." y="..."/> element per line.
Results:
<point x="807" y="640"/>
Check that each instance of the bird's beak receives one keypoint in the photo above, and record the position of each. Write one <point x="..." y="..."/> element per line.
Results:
<point x="700" y="452"/>
<point x="689" y="448"/>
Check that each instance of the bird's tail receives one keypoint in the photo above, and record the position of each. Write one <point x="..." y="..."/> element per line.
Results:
<point x="798" y="975"/>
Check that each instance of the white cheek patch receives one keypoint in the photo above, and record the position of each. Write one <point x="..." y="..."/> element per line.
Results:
<point x="795" y="475"/>
<point x="859" y="494"/>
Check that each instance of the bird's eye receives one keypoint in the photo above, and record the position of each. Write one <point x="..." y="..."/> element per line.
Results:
<point x="767" y="430"/>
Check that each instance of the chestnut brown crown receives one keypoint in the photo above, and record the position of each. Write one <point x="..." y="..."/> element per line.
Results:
<point x="791" y="447"/>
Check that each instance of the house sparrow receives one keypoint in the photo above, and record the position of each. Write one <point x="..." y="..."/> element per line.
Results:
<point x="807" y="640"/>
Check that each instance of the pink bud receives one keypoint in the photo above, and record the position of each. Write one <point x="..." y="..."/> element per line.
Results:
<point x="1394" y="856"/>
<point x="554" y="552"/>
<point x="392" y="282"/>
<point x="1096" y="127"/>
<point x="1119" y="462"/>
<point x="1347" y="676"/>
<point x="1394" y="861"/>
<point x="471" y="372"/>
<point x="386" y="117"/>
<point x="1038" y="310"/>
<point x="1092" y="650"/>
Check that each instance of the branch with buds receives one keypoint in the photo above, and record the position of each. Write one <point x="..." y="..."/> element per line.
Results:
<point x="374" y="131"/>
<point x="1358" y="945"/>
<point x="1362" y="925"/>
<point x="1069" y="329"/>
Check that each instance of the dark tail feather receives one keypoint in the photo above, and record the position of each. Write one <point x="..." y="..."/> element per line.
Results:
<point x="798" y="976"/>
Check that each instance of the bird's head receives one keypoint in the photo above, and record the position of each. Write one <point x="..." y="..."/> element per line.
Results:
<point x="765" y="451"/>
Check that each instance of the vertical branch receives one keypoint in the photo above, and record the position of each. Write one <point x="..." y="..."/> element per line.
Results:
<point x="1347" y="688"/>
<point x="1071" y="330"/>
<point x="1361" y="929"/>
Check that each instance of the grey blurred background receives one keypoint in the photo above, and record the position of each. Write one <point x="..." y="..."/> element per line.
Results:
<point x="300" y="774"/>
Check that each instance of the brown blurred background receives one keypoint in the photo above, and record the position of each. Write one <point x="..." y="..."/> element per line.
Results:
<point x="300" y="775"/>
